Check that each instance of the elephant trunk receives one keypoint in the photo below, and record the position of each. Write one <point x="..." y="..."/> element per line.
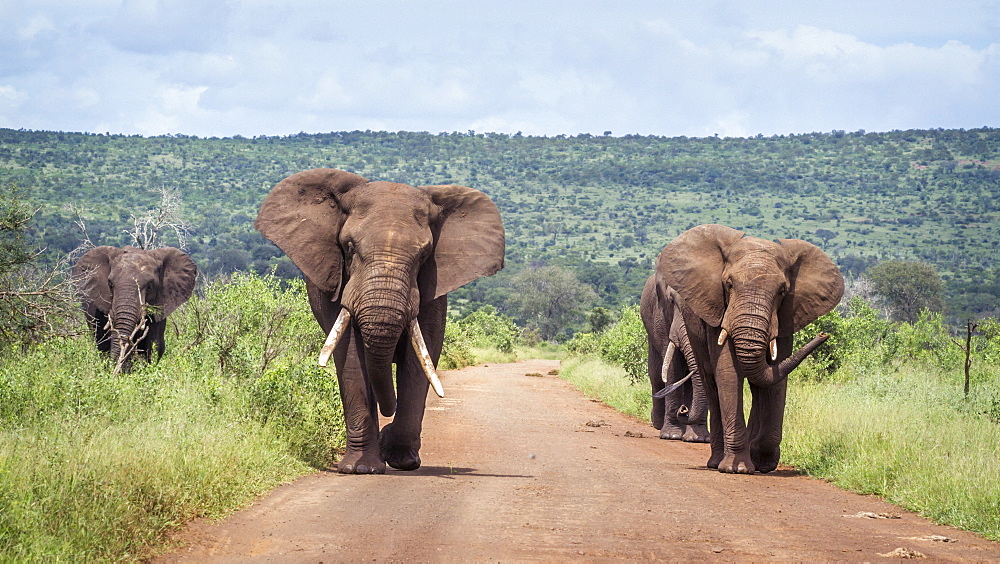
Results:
<point x="126" y="322"/>
<point x="751" y="345"/>
<point x="699" y="402"/>
<point x="382" y="314"/>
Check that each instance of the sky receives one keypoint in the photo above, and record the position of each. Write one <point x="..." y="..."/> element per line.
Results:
<point x="217" y="68"/>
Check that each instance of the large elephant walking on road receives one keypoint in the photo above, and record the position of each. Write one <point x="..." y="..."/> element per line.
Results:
<point x="379" y="259"/>
<point x="680" y="414"/>
<point x="746" y="298"/>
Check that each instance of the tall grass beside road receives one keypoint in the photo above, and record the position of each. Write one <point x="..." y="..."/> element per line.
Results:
<point x="95" y="466"/>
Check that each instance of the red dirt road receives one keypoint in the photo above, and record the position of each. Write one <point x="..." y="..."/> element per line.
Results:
<point x="512" y="471"/>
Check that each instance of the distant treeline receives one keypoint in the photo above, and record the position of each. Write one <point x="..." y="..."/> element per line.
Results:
<point x="601" y="206"/>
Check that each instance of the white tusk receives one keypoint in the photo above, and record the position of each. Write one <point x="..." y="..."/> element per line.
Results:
<point x="722" y="337"/>
<point x="667" y="359"/>
<point x="774" y="349"/>
<point x="339" y="328"/>
<point x="420" y="347"/>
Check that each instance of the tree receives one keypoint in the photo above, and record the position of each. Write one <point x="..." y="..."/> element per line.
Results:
<point x="907" y="287"/>
<point x="147" y="229"/>
<point x="826" y="235"/>
<point x="550" y="299"/>
<point x="33" y="302"/>
<point x="599" y="319"/>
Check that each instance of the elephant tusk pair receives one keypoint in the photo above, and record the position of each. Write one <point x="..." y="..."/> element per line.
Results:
<point x="416" y="341"/>
<point x="725" y="335"/>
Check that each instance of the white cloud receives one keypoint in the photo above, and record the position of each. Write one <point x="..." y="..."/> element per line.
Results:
<point x="222" y="68"/>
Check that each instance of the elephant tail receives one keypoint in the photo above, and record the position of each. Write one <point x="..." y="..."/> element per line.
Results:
<point x="667" y="390"/>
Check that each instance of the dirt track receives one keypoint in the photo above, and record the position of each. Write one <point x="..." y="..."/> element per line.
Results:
<point x="514" y="468"/>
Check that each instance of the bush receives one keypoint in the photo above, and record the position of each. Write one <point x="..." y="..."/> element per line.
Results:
<point x="487" y="328"/>
<point x="456" y="352"/>
<point x="623" y="344"/>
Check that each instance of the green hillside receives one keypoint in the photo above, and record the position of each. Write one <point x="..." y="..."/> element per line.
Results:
<point x="603" y="206"/>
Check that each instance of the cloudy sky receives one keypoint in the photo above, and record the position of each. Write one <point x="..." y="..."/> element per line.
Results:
<point x="542" y="67"/>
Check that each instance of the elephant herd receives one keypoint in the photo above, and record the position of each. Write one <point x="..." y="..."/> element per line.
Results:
<point x="379" y="259"/>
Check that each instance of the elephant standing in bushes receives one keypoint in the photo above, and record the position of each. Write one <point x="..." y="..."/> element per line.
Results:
<point x="746" y="298"/>
<point x="127" y="294"/>
<point x="379" y="259"/>
<point x="680" y="407"/>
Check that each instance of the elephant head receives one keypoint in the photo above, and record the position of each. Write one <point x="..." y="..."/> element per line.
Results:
<point x="127" y="294"/>
<point x="756" y="292"/>
<point x="381" y="250"/>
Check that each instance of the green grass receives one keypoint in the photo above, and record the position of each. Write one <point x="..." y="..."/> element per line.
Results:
<point x="908" y="436"/>
<point x="599" y="380"/>
<point x="97" y="467"/>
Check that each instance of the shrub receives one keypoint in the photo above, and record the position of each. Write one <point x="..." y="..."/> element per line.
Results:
<point x="487" y="328"/>
<point x="622" y="344"/>
<point x="456" y="352"/>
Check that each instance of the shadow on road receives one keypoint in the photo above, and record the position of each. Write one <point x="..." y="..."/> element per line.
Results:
<point x="450" y="472"/>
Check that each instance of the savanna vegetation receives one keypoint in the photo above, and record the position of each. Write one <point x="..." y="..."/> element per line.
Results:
<point x="600" y="207"/>
<point x="95" y="466"/>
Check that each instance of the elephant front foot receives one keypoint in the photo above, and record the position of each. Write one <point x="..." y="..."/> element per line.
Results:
<point x="714" y="460"/>
<point x="399" y="453"/>
<point x="736" y="463"/>
<point x="766" y="460"/>
<point x="361" y="462"/>
<point x="671" y="431"/>
<point x="695" y="434"/>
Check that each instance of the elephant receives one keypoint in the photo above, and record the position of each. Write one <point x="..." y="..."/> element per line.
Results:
<point x="379" y="259"/>
<point x="680" y="407"/>
<point x="127" y="294"/>
<point x="745" y="298"/>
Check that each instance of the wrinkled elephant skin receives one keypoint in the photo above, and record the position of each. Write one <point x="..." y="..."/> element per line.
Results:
<point x="745" y="298"/>
<point x="376" y="257"/>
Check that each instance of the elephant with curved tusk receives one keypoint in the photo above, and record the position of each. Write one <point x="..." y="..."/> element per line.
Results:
<point x="127" y="294"/>
<point x="379" y="259"/>
<point x="680" y="406"/>
<point x="745" y="298"/>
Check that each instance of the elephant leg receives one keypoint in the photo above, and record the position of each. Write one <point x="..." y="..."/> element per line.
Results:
<point x="654" y="365"/>
<point x="767" y="413"/>
<point x="360" y="416"/>
<point x="736" y="454"/>
<point x="696" y="430"/>
<point x="400" y="439"/>
<point x="715" y="436"/>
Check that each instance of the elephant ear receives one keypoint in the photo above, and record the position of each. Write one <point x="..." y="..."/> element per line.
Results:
<point x="692" y="264"/>
<point x="303" y="217"/>
<point x="469" y="240"/>
<point x="816" y="287"/>
<point x="178" y="277"/>
<point x="90" y="275"/>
